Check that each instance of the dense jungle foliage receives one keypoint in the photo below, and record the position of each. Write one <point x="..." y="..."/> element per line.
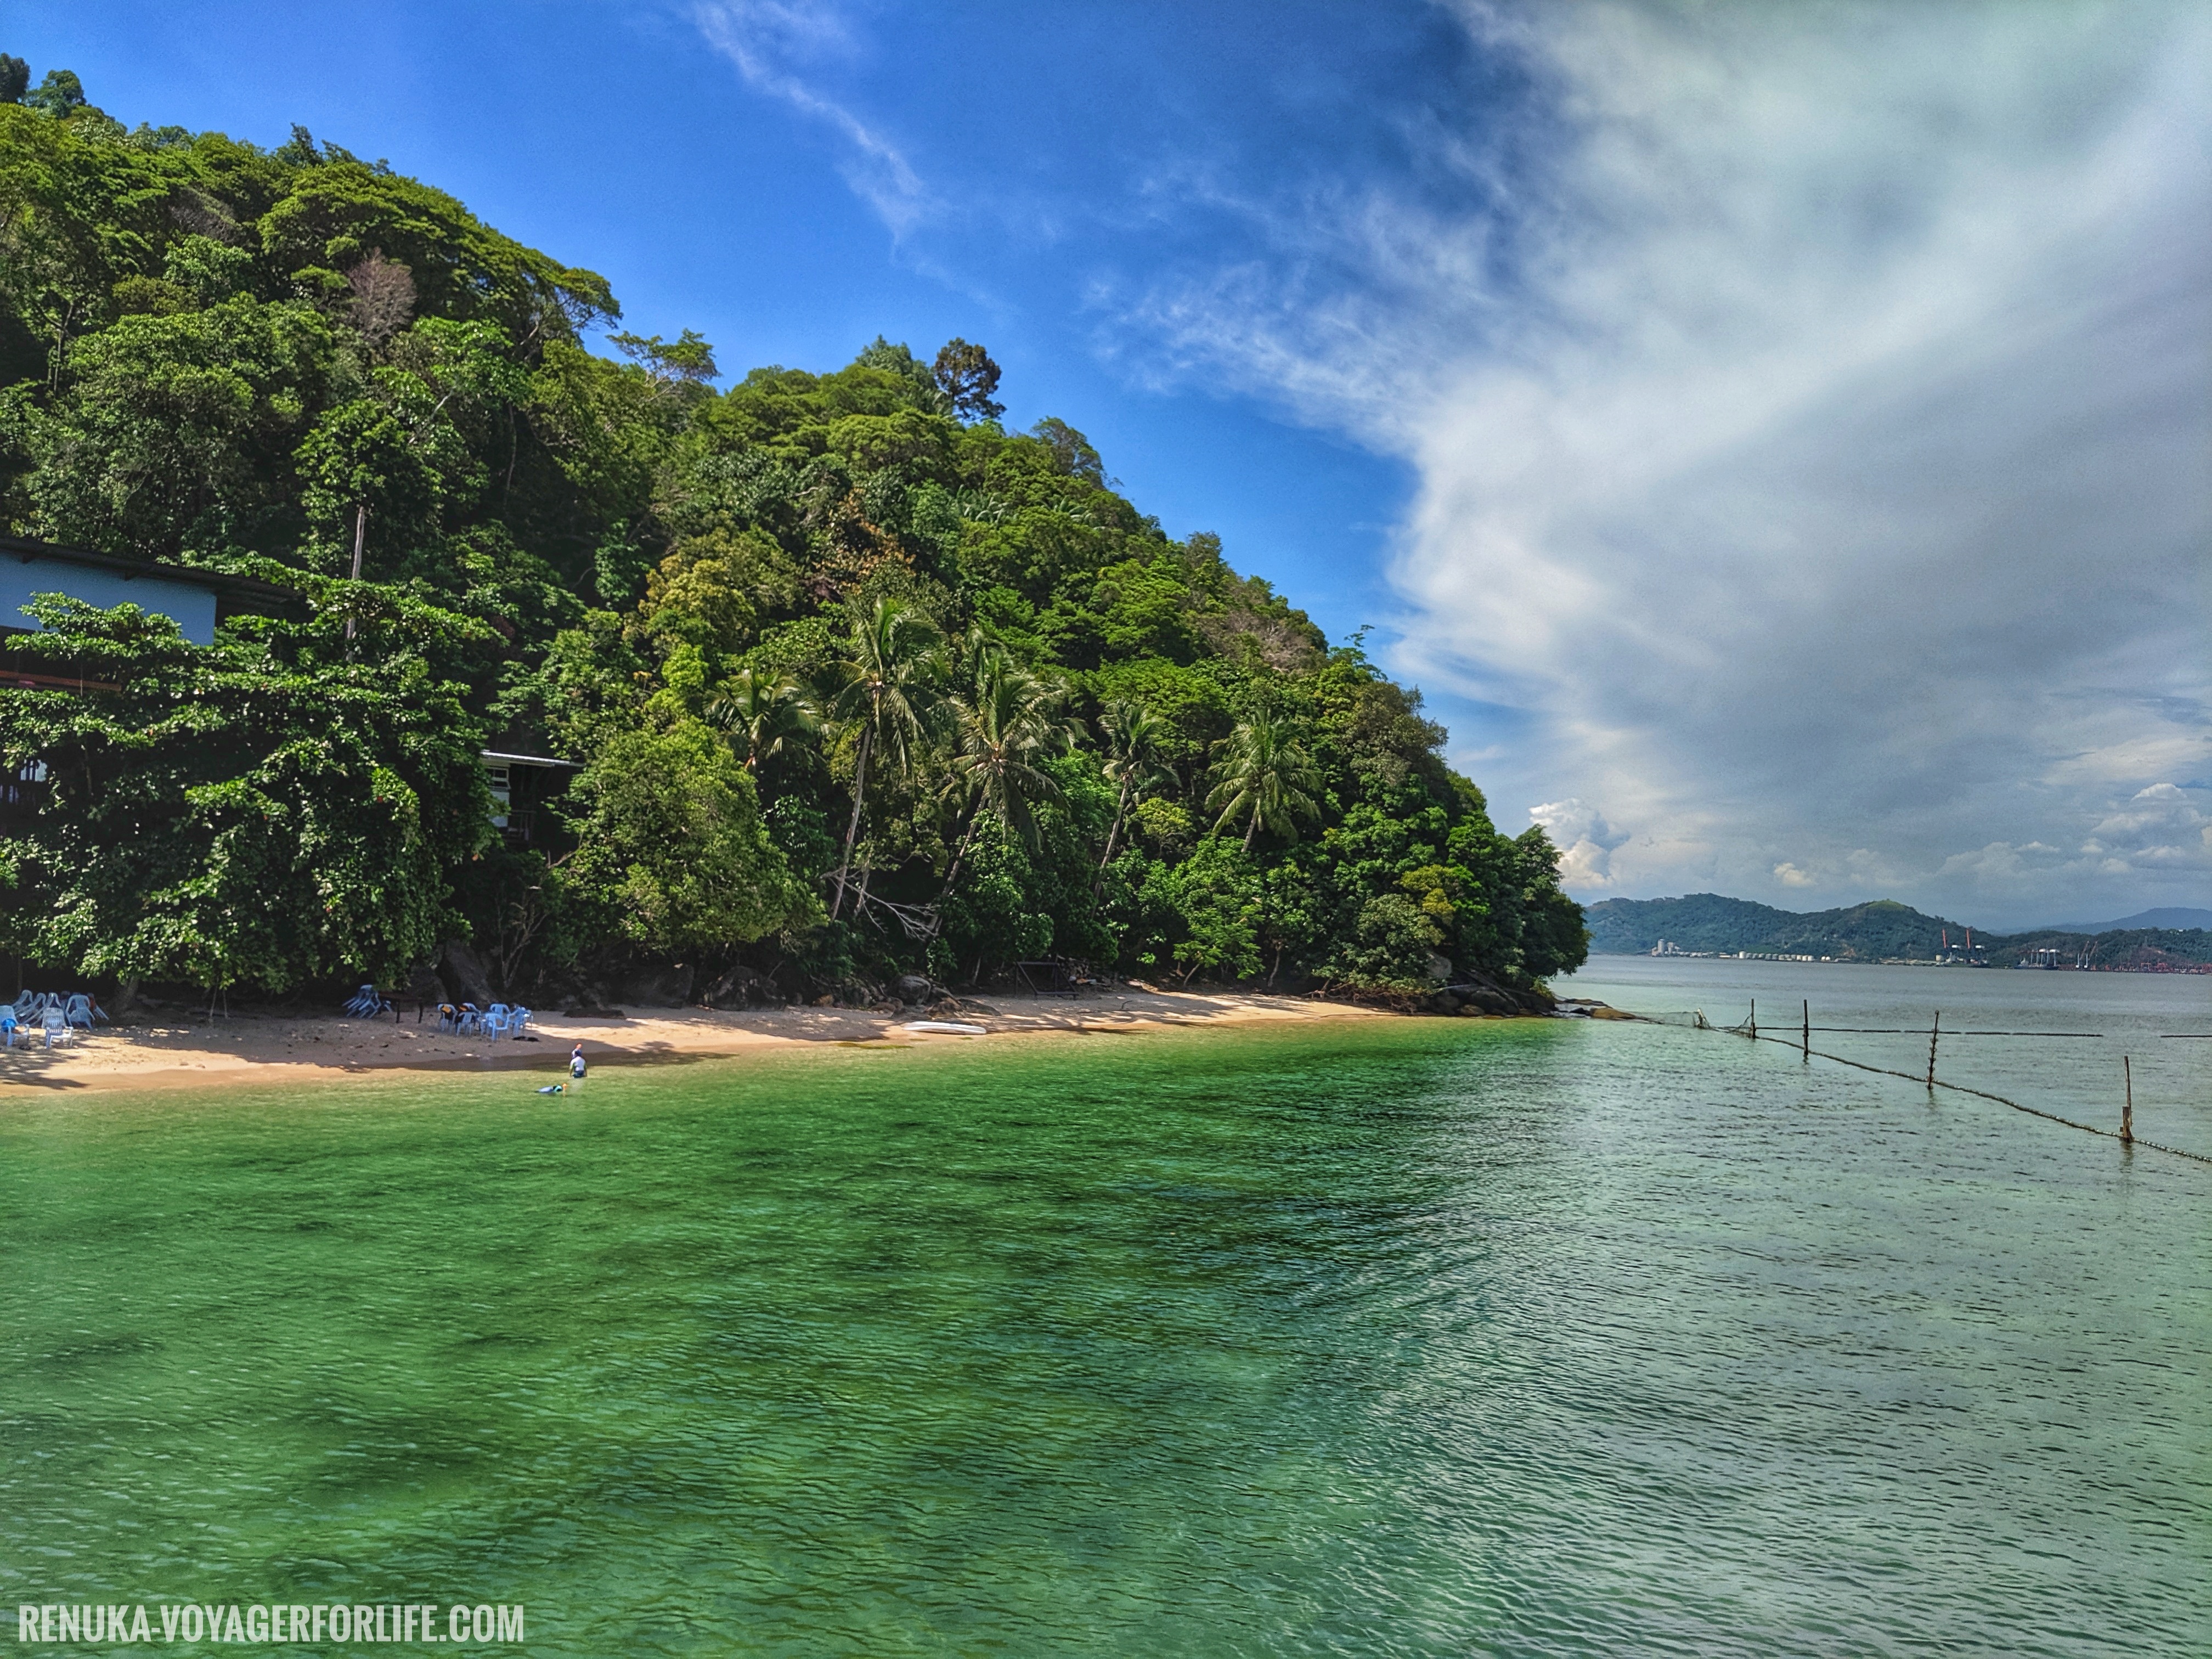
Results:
<point x="860" y="681"/>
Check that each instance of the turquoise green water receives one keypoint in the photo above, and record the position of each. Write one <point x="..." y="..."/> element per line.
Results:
<point x="1422" y="1338"/>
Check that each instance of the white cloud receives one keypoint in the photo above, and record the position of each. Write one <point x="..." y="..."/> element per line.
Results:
<point x="1586" y="842"/>
<point x="1812" y="452"/>
<point x="2159" y="827"/>
<point x="773" y="43"/>
<point x="2000" y="869"/>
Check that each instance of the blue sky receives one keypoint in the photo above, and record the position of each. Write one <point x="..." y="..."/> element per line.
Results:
<point x="1773" y="436"/>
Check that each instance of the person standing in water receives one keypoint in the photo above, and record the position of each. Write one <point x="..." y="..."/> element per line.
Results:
<point x="576" y="1063"/>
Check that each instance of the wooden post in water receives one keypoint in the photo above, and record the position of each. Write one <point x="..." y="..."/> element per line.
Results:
<point x="1808" y="1038"/>
<point x="2128" y="1104"/>
<point x="1932" y="1031"/>
<point x="1754" y="1019"/>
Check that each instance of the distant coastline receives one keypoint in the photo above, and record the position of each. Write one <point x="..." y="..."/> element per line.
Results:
<point x="1882" y="931"/>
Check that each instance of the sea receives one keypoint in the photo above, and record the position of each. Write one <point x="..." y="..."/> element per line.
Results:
<point x="1421" y="1337"/>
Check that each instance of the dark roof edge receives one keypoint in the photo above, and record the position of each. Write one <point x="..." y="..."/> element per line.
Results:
<point x="246" y="589"/>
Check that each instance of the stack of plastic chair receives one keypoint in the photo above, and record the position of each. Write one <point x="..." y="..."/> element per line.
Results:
<point x="518" y="1020"/>
<point x="56" y="1022"/>
<point x="366" y="1003"/>
<point x="80" y="1011"/>
<point x="470" y="1021"/>
<point x="449" y="1018"/>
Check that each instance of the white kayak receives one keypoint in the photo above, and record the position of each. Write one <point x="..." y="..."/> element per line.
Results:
<point x="952" y="1026"/>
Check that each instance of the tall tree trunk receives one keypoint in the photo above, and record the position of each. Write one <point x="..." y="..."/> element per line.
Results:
<point x="1121" y="812"/>
<point x="1253" y="828"/>
<point x="853" y="830"/>
<point x="966" y="841"/>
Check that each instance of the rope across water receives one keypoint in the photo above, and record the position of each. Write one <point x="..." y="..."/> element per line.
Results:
<point x="1697" y="1021"/>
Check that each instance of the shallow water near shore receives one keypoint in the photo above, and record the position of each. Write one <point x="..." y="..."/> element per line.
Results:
<point x="1388" y="1338"/>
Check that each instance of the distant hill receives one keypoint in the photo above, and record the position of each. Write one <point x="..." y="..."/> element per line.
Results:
<point x="2124" y="947"/>
<point x="2174" y="916"/>
<point x="1875" y="932"/>
<point x="1707" y="922"/>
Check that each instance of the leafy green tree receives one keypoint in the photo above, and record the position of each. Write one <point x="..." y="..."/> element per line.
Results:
<point x="1555" y="938"/>
<point x="994" y="915"/>
<point x="1071" y="450"/>
<point x="256" y="812"/>
<point x="15" y="79"/>
<point x="57" y="94"/>
<point x="1265" y="779"/>
<point x="671" y="842"/>
<point x="686" y="361"/>
<point x="968" y="377"/>
<point x="177" y="431"/>
<point x="1388" y="947"/>
<point x="1214" y="905"/>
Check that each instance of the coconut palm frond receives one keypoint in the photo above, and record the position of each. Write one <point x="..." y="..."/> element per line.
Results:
<point x="1265" y="778"/>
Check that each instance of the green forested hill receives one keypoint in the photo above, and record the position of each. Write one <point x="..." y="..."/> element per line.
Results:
<point x="858" y="680"/>
<point x="1863" y="932"/>
<point x="1707" y="922"/>
<point x="2139" y="948"/>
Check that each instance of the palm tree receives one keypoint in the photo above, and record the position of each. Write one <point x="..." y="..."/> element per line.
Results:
<point x="888" y="694"/>
<point x="1134" y="736"/>
<point x="763" y="713"/>
<point x="1008" y="721"/>
<point x="1264" y="774"/>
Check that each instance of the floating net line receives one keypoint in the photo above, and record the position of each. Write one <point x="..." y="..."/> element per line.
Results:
<point x="1694" y="1019"/>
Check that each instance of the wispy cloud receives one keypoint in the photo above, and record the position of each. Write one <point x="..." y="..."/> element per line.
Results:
<point x="778" y="47"/>
<point x="1810" y="434"/>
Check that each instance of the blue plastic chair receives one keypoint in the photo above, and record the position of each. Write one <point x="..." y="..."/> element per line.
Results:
<point x="366" y="1003"/>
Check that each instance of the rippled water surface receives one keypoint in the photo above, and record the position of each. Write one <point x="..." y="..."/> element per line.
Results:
<point x="1402" y="1338"/>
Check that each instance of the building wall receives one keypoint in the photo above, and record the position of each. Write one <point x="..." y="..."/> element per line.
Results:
<point x="192" y="608"/>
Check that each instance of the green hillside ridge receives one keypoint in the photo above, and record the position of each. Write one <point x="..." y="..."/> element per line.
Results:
<point x="1709" y="922"/>
<point x="1881" y="930"/>
<point x="860" y="683"/>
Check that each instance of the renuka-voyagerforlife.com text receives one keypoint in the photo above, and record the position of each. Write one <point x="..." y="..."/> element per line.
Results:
<point x="192" y="1621"/>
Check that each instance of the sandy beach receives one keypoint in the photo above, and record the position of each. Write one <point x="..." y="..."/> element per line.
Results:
<point x="263" y="1048"/>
